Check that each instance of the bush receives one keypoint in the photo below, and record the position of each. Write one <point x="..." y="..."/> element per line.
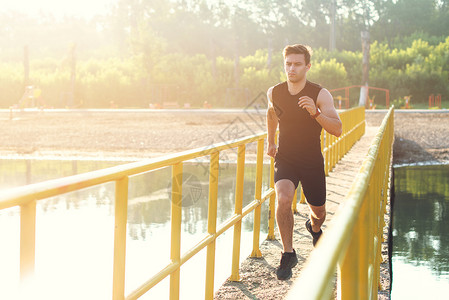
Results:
<point x="330" y="74"/>
<point x="419" y="70"/>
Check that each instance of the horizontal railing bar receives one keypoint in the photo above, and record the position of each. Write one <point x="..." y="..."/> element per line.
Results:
<point x="24" y="194"/>
<point x="198" y="247"/>
<point x="267" y="194"/>
<point x="170" y="268"/>
<point x="326" y="149"/>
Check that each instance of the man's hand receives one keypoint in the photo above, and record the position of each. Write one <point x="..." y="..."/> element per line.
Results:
<point x="307" y="103"/>
<point x="271" y="151"/>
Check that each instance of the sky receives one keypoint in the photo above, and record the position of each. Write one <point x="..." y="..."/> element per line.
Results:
<point x="59" y="8"/>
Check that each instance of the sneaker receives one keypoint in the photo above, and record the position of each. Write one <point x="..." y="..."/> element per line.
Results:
<point x="315" y="235"/>
<point x="288" y="261"/>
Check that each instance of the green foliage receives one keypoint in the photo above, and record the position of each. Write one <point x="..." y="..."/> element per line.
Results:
<point x="256" y="76"/>
<point x="136" y="81"/>
<point x="417" y="71"/>
<point x="398" y="103"/>
<point x="11" y="83"/>
<point x="330" y="74"/>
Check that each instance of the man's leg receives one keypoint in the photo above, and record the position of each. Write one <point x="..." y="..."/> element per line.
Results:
<point x="313" y="183"/>
<point x="285" y="190"/>
<point x="313" y="224"/>
<point x="317" y="216"/>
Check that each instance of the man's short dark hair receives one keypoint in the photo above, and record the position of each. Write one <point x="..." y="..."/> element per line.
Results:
<point x="298" y="49"/>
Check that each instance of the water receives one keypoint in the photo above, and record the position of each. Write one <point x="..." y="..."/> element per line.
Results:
<point x="74" y="232"/>
<point x="420" y="233"/>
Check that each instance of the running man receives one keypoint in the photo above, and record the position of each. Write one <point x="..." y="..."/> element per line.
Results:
<point x="301" y="108"/>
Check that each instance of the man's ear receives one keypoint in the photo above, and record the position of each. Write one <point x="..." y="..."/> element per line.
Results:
<point x="308" y="66"/>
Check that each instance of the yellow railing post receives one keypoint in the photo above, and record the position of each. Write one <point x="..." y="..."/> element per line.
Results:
<point x="344" y="133"/>
<point x="362" y="116"/>
<point x="322" y="141"/>
<point x="372" y="217"/>
<point x="271" y="211"/>
<point x="348" y="270"/>
<point x="238" y="211"/>
<point x="27" y="240"/>
<point x="212" y="223"/>
<point x="380" y="214"/>
<point x="351" y="131"/>
<point x="295" y="200"/>
<point x="363" y="253"/>
<point x="121" y="214"/>
<point x="303" y="197"/>
<point x="176" y="217"/>
<point x="259" y="169"/>
<point x="331" y="151"/>
<point x="327" y="157"/>
<point x="338" y="152"/>
<point x="334" y="151"/>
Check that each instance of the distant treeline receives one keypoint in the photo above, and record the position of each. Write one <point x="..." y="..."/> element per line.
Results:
<point x="139" y="81"/>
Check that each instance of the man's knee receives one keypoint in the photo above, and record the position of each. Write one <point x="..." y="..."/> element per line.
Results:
<point x="285" y="200"/>
<point x="285" y="190"/>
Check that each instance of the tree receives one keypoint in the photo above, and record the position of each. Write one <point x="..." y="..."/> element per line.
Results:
<point x="402" y="18"/>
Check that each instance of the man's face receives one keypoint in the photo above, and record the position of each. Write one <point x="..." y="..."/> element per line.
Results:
<point x="295" y="67"/>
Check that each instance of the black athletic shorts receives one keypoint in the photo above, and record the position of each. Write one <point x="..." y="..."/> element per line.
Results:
<point x="313" y="180"/>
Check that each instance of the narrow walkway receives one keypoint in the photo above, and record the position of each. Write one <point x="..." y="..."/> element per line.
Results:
<point x="258" y="278"/>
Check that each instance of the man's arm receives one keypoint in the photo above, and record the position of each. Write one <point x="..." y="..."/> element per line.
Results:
<point x="272" y="125"/>
<point x="328" y="118"/>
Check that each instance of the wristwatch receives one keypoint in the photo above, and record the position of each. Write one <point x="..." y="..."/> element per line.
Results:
<point x="318" y="112"/>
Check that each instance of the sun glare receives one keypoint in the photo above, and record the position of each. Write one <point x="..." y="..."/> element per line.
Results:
<point x="80" y="8"/>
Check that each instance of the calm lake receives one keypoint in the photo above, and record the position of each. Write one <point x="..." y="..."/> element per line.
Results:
<point x="420" y="233"/>
<point x="74" y="232"/>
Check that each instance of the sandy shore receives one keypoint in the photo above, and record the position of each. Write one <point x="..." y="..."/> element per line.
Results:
<point x="115" y="133"/>
<point x="419" y="137"/>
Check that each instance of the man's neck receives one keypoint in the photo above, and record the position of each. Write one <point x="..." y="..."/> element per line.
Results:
<point x="296" y="87"/>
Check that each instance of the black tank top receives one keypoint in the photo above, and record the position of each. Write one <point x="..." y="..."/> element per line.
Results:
<point x="299" y="134"/>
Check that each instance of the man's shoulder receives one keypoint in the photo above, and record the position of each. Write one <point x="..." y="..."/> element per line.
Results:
<point x="314" y="85"/>
<point x="280" y="85"/>
<point x="276" y="89"/>
<point x="277" y="86"/>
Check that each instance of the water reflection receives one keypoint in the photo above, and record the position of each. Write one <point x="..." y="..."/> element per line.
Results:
<point x="75" y="230"/>
<point x="18" y="172"/>
<point x="421" y="221"/>
<point x="150" y="196"/>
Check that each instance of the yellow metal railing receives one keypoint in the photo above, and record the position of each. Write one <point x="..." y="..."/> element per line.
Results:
<point x="353" y="241"/>
<point x="27" y="196"/>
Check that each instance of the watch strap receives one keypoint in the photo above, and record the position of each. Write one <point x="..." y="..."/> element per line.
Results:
<point x="318" y="112"/>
